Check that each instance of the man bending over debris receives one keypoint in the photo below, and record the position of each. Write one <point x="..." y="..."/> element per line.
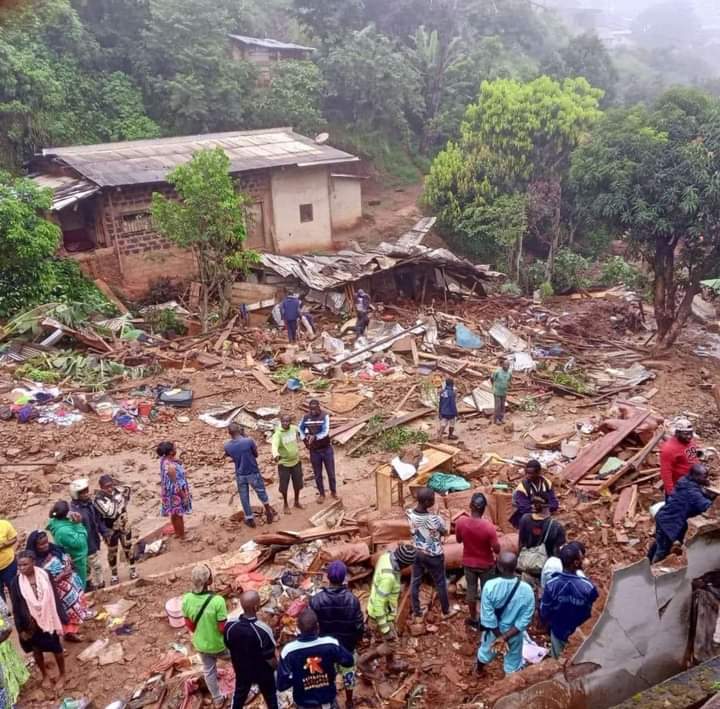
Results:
<point x="501" y="379"/>
<point x="447" y="410"/>
<point x="506" y="610"/>
<point x="315" y="431"/>
<point x="95" y="527"/>
<point x="111" y="502"/>
<point x="427" y="531"/>
<point x="532" y="484"/>
<point x="243" y="452"/>
<point x="308" y="665"/>
<point x="567" y="600"/>
<point x="678" y="454"/>
<point x="252" y="649"/>
<point x="285" y="451"/>
<point x="690" y="498"/>
<point x="341" y="617"/>
<point x="382" y="607"/>
<point x="291" y="311"/>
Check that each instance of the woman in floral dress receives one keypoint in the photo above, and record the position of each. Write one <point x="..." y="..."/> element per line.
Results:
<point x="175" y="494"/>
<point x="67" y="583"/>
<point x="13" y="672"/>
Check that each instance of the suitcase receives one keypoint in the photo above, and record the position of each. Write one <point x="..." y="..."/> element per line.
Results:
<point x="180" y="398"/>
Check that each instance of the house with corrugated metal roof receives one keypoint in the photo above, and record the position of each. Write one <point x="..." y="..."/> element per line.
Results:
<point x="264" y="53"/>
<point x="303" y="192"/>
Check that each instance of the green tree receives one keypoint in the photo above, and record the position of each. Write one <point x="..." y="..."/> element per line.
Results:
<point x="210" y="219"/>
<point x="655" y="175"/>
<point x="28" y="243"/>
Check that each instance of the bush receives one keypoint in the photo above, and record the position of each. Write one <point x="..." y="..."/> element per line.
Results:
<point x="617" y="271"/>
<point x="510" y="288"/>
<point x="534" y="275"/>
<point x="546" y="290"/>
<point x="571" y="271"/>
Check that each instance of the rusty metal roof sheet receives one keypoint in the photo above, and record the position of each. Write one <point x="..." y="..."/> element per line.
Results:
<point x="269" y="43"/>
<point x="66" y="190"/>
<point x="149" y="161"/>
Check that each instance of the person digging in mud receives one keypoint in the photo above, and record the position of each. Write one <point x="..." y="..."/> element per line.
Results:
<point x="383" y="606"/>
<point x="286" y="453"/>
<point x="507" y="607"/>
<point x="241" y="449"/>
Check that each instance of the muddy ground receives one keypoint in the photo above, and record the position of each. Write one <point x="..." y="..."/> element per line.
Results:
<point x="442" y="659"/>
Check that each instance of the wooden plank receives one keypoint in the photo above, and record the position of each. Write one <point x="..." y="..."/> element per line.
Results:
<point x="635" y="462"/>
<point x="345" y="436"/>
<point x="217" y="347"/>
<point x="622" y="506"/>
<point x="632" y="507"/>
<point x="414" y="352"/>
<point x="244" y="293"/>
<point x="105" y="289"/>
<point x="594" y="453"/>
<point x="651" y="474"/>
<point x="194" y="298"/>
<point x="265" y="381"/>
<point x="350" y="424"/>
<point x="406" y="397"/>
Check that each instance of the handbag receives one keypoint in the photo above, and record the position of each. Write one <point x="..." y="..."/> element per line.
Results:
<point x="532" y="559"/>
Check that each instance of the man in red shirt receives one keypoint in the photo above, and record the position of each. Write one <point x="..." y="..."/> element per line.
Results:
<point x="480" y="545"/>
<point x="678" y="454"/>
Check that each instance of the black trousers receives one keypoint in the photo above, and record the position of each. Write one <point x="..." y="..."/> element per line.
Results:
<point x="433" y="566"/>
<point x="265" y="680"/>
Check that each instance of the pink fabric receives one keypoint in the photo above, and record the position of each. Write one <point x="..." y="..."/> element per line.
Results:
<point x="42" y="607"/>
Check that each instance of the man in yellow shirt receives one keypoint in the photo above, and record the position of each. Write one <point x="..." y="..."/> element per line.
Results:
<point x="8" y="567"/>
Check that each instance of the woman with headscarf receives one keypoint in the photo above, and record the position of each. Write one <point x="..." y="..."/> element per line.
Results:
<point x="69" y="533"/>
<point x="65" y="580"/>
<point x="175" y="496"/>
<point x="38" y="614"/>
<point x="13" y="673"/>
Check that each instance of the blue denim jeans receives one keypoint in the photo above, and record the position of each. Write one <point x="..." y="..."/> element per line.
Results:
<point x="244" y="483"/>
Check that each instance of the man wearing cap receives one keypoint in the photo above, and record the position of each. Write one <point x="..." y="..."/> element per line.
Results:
<point x="82" y="505"/>
<point x="111" y="502"/>
<point x="678" y="454"/>
<point x="362" y="308"/>
<point x="341" y="617"/>
<point x="383" y="606"/>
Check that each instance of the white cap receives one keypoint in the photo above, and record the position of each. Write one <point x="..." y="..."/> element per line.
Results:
<point x="682" y="424"/>
<point x="76" y="486"/>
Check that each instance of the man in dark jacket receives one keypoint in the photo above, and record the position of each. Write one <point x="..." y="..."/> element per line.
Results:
<point x="315" y="431"/>
<point x="252" y="650"/>
<point x="308" y="665"/>
<point x="447" y="410"/>
<point x="362" y="308"/>
<point x="690" y="498"/>
<point x="341" y="617"/>
<point x="82" y="504"/>
<point x="534" y="483"/>
<point x="291" y="312"/>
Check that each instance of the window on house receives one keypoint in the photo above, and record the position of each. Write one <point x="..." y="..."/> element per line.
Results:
<point x="306" y="213"/>
<point x="133" y="223"/>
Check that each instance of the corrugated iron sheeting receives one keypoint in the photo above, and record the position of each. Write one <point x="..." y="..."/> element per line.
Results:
<point x="66" y="190"/>
<point x="269" y="43"/>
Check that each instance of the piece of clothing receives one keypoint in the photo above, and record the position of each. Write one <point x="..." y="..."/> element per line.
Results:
<point x="41" y="600"/>
<point x="676" y="459"/>
<point x="500" y="405"/>
<point x="112" y="507"/>
<point x="318" y="426"/>
<point x="175" y="496"/>
<point x="244" y="483"/>
<point x="96" y="575"/>
<point x="385" y="592"/>
<point x="518" y="613"/>
<point x="523" y="494"/>
<point x="362" y="303"/>
<point x="433" y="566"/>
<point x="308" y="665"/>
<point x="251" y="644"/>
<point x="687" y="500"/>
<point x="445" y="424"/>
<point x="320" y="457"/>
<point x="557" y="646"/>
<point x="92" y="521"/>
<point x="567" y="603"/>
<point x="120" y="539"/>
<point x="13" y="671"/>
<point x="265" y="680"/>
<point x="475" y="580"/>
<point x="292" y="330"/>
<point x="447" y="404"/>
<point x="72" y="537"/>
<point x="7" y="534"/>
<point x="533" y="530"/>
<point x="244" y="453"/>
<point x="209" y="665"/>
<point x="348" y="673"/>
<point x="662" y="544"/>
<point x="340" y="615"/>
<point x="552" y="567"/>
<point x="480" y="542"/>
<point x="501" y="382"/>
<point x="293" y="473"/>
<point x="361" y="323"/>
<point x="285" y="447"/>
<point x="206" y="637"/>
<point x="290" y="309"/>
<point x="426" y="530"/>
<point x="6" y="577"/>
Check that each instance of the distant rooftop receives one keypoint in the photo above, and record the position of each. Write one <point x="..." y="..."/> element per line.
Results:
<point x="269" y="43"/>
<point x="150" y="161"/>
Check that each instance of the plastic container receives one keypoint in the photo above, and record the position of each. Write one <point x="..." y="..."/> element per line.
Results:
<point x="144" y="408"/>
<point x="173" y="609"/>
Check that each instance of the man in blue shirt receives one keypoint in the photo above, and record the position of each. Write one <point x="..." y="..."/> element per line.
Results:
<point x="243" y="452"/>
<point x="567" y="600"/>
<point x="291" y="312"/>
<point x="315" y="431"/>
<point x="309" y="665"/>
<point x="447" y="410"/>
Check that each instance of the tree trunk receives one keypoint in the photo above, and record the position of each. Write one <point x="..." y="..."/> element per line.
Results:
<point x="681" y="316"/>
<point x="518" y="259"/>
<point x="664" y="300"/>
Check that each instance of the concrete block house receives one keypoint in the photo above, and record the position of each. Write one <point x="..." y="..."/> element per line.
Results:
<point x="303" y="194"/>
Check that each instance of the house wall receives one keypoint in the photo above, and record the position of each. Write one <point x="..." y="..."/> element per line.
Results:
<point x="258" y="185"/>
<point x="345" y="202"/>
<point x="291" y="188"/>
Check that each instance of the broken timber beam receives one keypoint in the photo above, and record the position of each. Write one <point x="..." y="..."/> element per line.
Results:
<point x="635" y="462"/>
<point x="626" y="505"/>
<point x="599" y="449"/>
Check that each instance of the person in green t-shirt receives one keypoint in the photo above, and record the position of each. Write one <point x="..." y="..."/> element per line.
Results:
<point x="286" y="452"/>
<point x="205" y="614"/>
<point x="501" y="379"/>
